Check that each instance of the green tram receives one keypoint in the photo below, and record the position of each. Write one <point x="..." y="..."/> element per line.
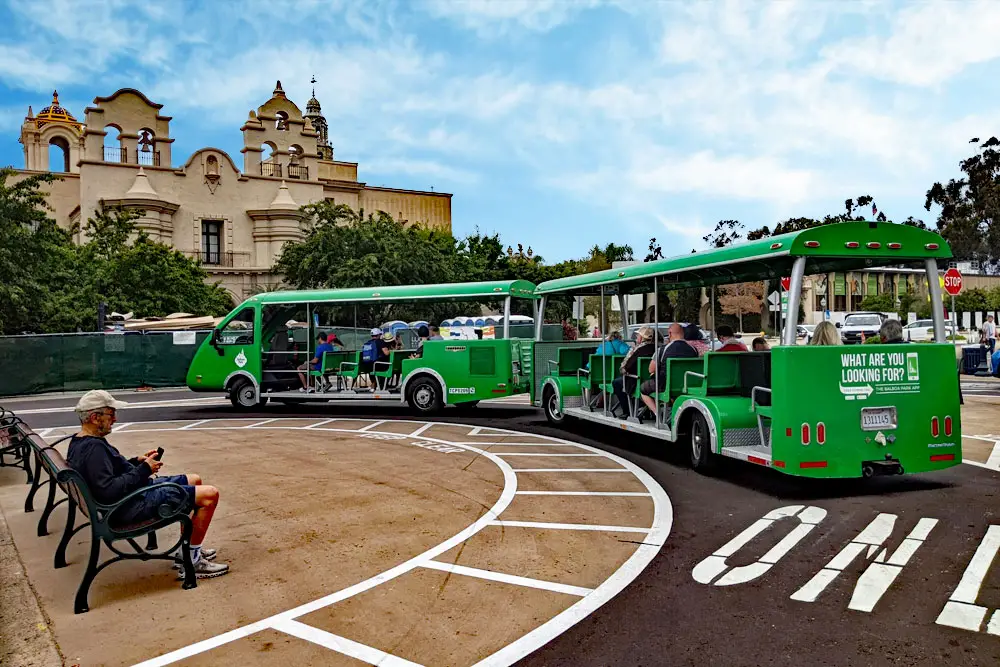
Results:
<point x="808" y="410"/>
<point x="256" y="351"/>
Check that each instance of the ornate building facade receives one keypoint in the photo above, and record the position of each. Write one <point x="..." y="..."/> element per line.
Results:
<point x="234" y="220"/>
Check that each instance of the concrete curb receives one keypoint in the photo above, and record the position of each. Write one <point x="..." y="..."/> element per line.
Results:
<point x="25" y="637"/>
<point x="73" y="394"/>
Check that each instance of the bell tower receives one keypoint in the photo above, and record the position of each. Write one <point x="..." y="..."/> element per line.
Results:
<point x="53" y="126"/>
<point x="315" y="115"/>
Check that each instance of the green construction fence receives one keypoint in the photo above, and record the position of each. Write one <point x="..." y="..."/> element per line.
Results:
<point x="76" y="362"/>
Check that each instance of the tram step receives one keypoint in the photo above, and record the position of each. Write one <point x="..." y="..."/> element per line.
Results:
<point x="752" y="453"/>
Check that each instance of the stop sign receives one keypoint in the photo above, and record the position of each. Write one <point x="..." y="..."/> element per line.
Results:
<point x="787" y="282"/>
<point x="953" y="281"/>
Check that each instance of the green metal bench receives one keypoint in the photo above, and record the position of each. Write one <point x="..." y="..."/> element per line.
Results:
<point x="105" y="530"/>
<point x="14" y="450"/>
<point x="570" y="359"/>
<point x="597" y="378"/>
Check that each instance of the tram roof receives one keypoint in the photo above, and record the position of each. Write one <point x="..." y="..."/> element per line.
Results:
<point x="521" y="289"/>
<point x="826" y="248"/>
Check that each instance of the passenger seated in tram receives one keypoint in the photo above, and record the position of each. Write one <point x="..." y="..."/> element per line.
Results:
<point x="624" y="386"/>
<point x="692" y="334"/>
<point x="335" y="342"/>
<point x="316" y="363"/>
<point x="825" y="333"/>
<point x="676" y="348"/>
<point x="891" y="332"/>
<point x="728" y="342"/>
<point x="611" y="346"/>
<point x="759" y="344"/>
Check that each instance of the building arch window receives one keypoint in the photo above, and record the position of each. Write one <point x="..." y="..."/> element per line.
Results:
<point x="212" y="166"/>
<point x="268" y="165"/>
<point x="114" y="151"/>
<point x="281" y="120"/>
<point x="58" y="154"/>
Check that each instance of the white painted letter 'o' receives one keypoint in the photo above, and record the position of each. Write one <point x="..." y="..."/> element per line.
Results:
<point x="707" y="570"/>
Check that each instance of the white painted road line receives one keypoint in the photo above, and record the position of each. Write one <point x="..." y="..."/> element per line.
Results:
<point x="316" y="424"/>
<point x="994" y="460"/>
<point x="582" y="493"/>
<point x="421" y="429"/>
<point x="961" y="610"/>
<point x="266" y="421"/>
<point x="569" y="526"/>
<point x="515" y="444"/>
<point x="508" y="578"/>
<point x="137" y="405"/>
<point x="194" y="425"/>
<point x="573" y="470"/>
<point x="362" y="652"/>
<point x="371" y="426"/>
<point x="536" y="454"/>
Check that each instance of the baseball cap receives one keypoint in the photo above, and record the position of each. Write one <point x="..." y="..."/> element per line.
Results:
<point x="376" y="332"/>
<point x="97" y="399"/>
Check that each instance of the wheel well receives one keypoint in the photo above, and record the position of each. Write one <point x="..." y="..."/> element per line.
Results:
<point x="412" y="382"/>
<point x="237" y="378"/>
<point x="684" y="423"/>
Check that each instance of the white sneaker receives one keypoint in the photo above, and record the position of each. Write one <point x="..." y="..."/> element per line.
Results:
<point x="207" y="553"/>
<point x="206" y="569"/>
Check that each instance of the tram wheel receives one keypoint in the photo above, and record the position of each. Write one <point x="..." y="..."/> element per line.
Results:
<point x="550" y="403"/>
<point x="701" y="443"/>
<point x="425" y="396"/>
<point x="242" y="394"/>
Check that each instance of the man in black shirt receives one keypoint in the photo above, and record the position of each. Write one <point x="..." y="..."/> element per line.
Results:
<point x="676" y="347"/>
<point x="110" y="477"/>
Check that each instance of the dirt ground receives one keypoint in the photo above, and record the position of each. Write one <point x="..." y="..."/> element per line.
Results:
<point x="980" y="417"/>
<point x="307" y="512"/>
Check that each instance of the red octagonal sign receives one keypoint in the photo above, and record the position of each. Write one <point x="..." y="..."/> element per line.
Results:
<point x="953" y="281"/>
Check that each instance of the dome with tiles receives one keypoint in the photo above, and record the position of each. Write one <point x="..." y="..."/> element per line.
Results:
<point x="54" y="112"/>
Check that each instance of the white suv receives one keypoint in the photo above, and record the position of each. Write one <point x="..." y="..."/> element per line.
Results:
<point x="919" y="330"/>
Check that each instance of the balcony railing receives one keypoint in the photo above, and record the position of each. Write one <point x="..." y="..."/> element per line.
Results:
<point x="298" y="171"/>
<point x="270" y="169"/>
<point x="150" y="159"/>
<point x="115" y="154"/>
<point x="222" y="259"/>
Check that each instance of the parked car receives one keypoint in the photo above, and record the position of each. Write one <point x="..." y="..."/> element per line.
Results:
<point x="919" y="330"/>
<point x="805" y="331"/>
<point x="857" y="324"/>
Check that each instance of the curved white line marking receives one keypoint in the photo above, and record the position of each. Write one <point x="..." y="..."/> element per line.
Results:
<point x="543" y="634"/>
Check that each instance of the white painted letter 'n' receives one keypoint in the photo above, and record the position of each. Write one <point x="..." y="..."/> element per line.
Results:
<point x="875" y="580"/>
<point x="961" y="610"/>
<point x="707" y="570"/>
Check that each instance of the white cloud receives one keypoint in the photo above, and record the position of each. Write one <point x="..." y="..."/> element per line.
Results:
<point x="416" y="167"/>
<point x="928" y="44"/>
<point x="493" y="17"/>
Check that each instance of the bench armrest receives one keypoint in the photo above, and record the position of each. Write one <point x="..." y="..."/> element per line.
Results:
<point x="697" y="375"/>
<point x="352" y="365"/>
<point x="553" y="364"/>
<point x="753" y="396"/>
<point x="385" y="365"/>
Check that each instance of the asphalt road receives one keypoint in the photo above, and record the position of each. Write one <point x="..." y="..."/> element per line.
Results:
<point x="762" y="614"/>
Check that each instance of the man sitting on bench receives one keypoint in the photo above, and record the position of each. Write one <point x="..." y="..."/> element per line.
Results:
<point x="110" y="477"/>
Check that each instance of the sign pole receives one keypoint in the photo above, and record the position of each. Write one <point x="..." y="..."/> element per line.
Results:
<point x="954" y="320"/>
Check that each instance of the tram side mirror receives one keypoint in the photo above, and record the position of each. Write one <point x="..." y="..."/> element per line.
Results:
<point x="214" y="340"/>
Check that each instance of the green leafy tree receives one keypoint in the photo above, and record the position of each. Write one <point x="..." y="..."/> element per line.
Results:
<point x="970" y="206"/>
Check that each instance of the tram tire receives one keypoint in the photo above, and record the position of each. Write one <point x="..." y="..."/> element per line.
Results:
<point x="425" y="396"/>
<point x="550" y="403"/>
<point x="700" y="443"/>
<point x="242" y="394"/>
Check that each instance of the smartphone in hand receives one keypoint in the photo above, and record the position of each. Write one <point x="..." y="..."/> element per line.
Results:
<point x="159" y="453"/>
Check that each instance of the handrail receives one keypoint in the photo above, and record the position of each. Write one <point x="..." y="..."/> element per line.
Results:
<point x="686" y="373"/>
<point x="753" y="395"/>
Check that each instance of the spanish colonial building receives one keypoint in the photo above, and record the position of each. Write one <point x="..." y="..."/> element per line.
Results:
<point x="233" y="218"/>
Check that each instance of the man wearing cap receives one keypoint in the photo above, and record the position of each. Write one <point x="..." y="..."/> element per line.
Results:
<point x="111" y="477"/>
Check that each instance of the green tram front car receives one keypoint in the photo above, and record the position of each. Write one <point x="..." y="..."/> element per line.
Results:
<point x="807" y="410"/>
<point x="255" y="352"/>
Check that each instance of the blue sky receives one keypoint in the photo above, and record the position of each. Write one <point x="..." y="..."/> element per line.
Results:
<point x="558" y="124"/>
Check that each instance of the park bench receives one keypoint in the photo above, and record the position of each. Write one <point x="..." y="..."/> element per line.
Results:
<point x="14" y="450"/>
<point x="103" y="527"/>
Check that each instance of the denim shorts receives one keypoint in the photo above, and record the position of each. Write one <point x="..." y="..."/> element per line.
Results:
<point x="146" y="507"/>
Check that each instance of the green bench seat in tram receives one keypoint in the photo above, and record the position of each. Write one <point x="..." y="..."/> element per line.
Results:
<point x="598" y="378"/>
<point x="386" y="370"/>
<point x="570" y="359"/>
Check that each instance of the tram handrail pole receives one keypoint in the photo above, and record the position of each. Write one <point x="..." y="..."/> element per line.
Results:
<point x="794" y="295"/>
<point x="930" y="266"/>
<point x="656" y="351"/>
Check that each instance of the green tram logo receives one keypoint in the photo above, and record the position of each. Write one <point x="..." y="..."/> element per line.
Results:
<point x="865" y="373"/>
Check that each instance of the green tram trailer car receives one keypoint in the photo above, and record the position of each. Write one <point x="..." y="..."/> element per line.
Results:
<point x="254" y="356"/>
<point x="808" y="410"/>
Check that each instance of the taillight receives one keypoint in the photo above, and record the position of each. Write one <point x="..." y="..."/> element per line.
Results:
<point x="821" y="433"/>
<point x="874" y="245"/>
<point x="811" y="244"/>
<point x="931" y="246"/>
<point x="805" y="434"/>
<point x="852" y="244"/>
<point x="894" y="246"/>
<point x="935" y="427"/>
<point x="947" y="426"/>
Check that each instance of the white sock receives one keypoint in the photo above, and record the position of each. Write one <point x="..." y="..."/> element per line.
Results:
<point x="195" y="553"/>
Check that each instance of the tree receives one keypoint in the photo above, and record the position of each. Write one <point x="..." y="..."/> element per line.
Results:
<point x="741" y="298"/>
<point x="970" y="207"/>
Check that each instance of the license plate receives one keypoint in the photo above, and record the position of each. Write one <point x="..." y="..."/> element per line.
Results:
<point x="874" y="419"/>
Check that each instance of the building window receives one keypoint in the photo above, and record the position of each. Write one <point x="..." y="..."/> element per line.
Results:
<point x="211" y="241"/>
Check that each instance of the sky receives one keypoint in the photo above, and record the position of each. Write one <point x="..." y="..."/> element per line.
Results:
<point x="558" y="124"/>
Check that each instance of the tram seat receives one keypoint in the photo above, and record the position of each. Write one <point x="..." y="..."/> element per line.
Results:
<point x="755" y="371"/>
<point x="276" y="357"/>
<point x="598" y="378"/>
<point x="570" y="359"/>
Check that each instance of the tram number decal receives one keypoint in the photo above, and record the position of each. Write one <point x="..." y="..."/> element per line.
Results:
<point x="960" y="610"/>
